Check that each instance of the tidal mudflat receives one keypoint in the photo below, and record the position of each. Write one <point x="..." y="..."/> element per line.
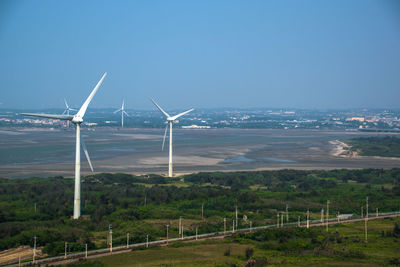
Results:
<point x="27" y="152"/>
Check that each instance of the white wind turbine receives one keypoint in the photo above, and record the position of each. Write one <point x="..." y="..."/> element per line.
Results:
<point x="76" y="119"/>
<point x="122" y="109"/>
<point x="67" y="109"/>
<point x="170" y="120"/>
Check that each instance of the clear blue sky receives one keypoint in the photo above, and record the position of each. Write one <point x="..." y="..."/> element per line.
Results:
<point x="301" y="54"/>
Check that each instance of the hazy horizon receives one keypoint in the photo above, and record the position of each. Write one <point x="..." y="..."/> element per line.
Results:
<point x="234" y="54"/>
<point x="151" y="109"/>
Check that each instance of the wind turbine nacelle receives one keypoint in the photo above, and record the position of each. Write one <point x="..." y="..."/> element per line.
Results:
<point x="77" y="119"/>
<point x="170" y="119"/>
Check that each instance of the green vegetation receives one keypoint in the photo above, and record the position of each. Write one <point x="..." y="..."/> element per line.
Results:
<point x="142" y="205"/>
<point x="388" y="146"/>
<point x="343" y="245"/>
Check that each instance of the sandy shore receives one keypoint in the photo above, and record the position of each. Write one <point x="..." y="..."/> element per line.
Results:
<point x="340" y="149"/>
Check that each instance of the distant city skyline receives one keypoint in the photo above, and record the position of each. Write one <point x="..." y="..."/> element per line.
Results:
<point x="256" y="54"/>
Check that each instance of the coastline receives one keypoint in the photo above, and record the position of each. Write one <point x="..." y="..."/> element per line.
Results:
<point x="341" y="149"/>
<point x="138" y="151"/>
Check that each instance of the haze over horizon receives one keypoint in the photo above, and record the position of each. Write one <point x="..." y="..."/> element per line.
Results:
<point x="274" y="54"/>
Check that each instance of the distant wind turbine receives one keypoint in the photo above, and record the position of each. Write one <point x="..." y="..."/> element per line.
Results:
<point x="170" y="120"/>
<point x="122" y="109"/>
<point x="76" y="119"/>
<point x="67" y="109"/>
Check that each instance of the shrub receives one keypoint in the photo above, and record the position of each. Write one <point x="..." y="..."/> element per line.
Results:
<point x="227" y="251"/>
<point x="396" y="230"/>
<point x="249" y="252"/>
<point x="394" y="261"/>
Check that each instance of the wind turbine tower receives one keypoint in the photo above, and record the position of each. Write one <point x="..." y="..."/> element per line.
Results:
<point x="123" y="112"/>
<point x="76" y="119"/>
<point x="170" y="121"/>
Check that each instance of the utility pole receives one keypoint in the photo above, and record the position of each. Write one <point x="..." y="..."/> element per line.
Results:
<point x="233" y="226"/>
<point x="236" y="218"/>
<point x="308" y="219"/>
<point x="127" y="240"/>
<point x="327" y="215"/>
<point x="182" y="232"/>
<point x="377" y="213"/>
<point x="196" y="231"/>
<point x="322" y="217"/>
<point x="250" y="226"/>
<point x="287" y="213"/>
<point x="338" y="216"/>
<point x="19" y="260"/>
<point x="86" y="251"/>
<point x="65" y="250"/>
<point x="366" y="222"/>
<point x="202" y="211"/>
<point x="282" y="220"/>
<point x="34" y="249"/>
<point x="110" y="233"/>
<point x="180" y="225"/>
<point x="298" y="221"/>
<point x="224" y="226"/>
<point x="167" y="233"/>
<point x="277" y="220"/>
<point x="147" y="241"/>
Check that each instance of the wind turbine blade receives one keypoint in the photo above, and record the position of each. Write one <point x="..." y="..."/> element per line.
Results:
<point x="49" y="116"/>
<point x="118" y="110"/>
<point x="66" y="104"/>
<point x="181" y="114"/>
<point x="82" y="110"/>
<point x="86" y="153"/>
<point x="73" y="109"/>
<point x="64" y="112"/>
<point x="165" y="113"/>
<point x="165" y="134"/>
<point x="126" y="113"/>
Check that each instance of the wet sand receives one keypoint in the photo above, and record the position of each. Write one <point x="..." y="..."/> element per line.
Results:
<point x="26" y="152"/>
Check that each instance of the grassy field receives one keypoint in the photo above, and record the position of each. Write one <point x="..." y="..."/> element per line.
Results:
<point x="343" y="245"/>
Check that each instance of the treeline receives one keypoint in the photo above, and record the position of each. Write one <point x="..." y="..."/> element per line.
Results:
<point x="143" y="205"/>
<point x="280" y="179"/>
<point x="43" y="207"/>
<point x="388" y="146"/>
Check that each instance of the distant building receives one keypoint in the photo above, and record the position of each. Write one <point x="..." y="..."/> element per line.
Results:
<point x="372" y="119"/>
<point x="194" y="126"/>
<point x="360" y="119"/>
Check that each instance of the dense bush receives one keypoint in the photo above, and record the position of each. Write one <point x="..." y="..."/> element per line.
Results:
<point x="126" y="201"/>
